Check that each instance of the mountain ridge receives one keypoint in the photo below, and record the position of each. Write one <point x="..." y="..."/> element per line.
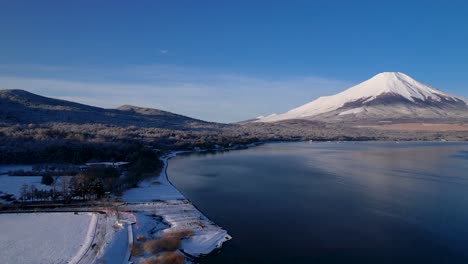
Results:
<point x="20" y="106"/>
<point x="34" y="126"/>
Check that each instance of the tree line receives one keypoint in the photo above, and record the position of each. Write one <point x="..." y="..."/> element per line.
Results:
<point x="95" y="182"/>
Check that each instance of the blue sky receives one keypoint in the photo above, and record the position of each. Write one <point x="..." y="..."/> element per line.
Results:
<point x="226" y="60"/>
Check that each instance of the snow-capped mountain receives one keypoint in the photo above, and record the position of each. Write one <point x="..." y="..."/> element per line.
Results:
<point x="388" y="95"/>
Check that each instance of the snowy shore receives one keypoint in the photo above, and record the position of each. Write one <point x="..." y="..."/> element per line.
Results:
<point x="157" y="196"/>
<point x="153" y="210"/>
<point x="40" y="237"/>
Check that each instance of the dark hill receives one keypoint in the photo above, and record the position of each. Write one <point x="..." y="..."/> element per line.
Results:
<point x="22" y="107"/>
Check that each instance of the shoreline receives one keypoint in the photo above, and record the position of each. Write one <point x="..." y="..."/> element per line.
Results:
<point x="177" y="212"/>
<point x="157" y="195"/>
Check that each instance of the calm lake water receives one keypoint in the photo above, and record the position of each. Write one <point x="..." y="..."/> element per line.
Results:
<point x="333" y="202"/>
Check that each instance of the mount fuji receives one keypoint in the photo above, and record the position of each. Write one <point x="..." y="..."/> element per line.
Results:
<point x="386" y="96"/>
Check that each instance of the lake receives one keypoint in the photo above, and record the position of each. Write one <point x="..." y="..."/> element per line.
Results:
<point x="365" y="202"/>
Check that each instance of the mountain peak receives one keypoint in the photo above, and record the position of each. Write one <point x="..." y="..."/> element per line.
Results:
<point x="16" y="92"/>
<point x="389" y="74"/>
<point x="392" y="76"/>
<point x="395" y="83"/>
<point x="383" y="88"/>
<point x="143" y="110"/>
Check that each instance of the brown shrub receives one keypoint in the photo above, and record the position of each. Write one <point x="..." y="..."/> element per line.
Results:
<point x="136" y="250"/>
<point x="180" y="234"/>
<point x="151" y="260"/>
<point x="165" y="258"/>
<point x="161" y="244"/>
<point x="171" y="258"/>
<point x="141" y="238"/>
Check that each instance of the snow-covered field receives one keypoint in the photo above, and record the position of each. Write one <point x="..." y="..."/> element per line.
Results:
<point x="68" y="238"/>
<point x="47" y="238"/>
<point x="12" y="184"/>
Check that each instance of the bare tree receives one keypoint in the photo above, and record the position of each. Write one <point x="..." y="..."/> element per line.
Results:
<point x="65" y="187"/>
<point x="24" y="192"/>
<point x="33" y="192"/>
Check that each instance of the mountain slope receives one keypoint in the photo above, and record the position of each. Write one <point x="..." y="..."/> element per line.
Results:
<point x="22" y="107"/>
<point x="388" y="95"/>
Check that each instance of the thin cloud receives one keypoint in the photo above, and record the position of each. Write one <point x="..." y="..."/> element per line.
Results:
<point x="163" y="51"/>
<point x="204" y="94"/>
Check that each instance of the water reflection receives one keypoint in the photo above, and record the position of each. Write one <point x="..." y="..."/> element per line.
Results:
<point x="330" y="203"/>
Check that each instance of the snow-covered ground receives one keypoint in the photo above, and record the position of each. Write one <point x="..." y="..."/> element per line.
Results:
<point x="92" y="238"/>
<point x="12" y="184"/>
<point x="47" y="238"/>
<point x="157" y="196"/>
<point x="155" y="189"/>
<point x="116" y="247"/>
<point x="180" y="215"/>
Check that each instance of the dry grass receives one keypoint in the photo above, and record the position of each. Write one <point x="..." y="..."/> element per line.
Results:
<point x="171" y="258"/>
<point x="141" y="238"/>
<point x="421" y="127"/>
<point x="161" y="244"/>
<point x="136" y="250"/>
<point x="180" y="234"/>
<point x="165" y="258"/>
<point x="152" y="260"/>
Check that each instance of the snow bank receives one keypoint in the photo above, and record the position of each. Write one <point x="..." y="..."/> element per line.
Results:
<point x="205" y="242"/>
<point x="47" y="238"/>
<point x="155" y="189"/>
<point x="182" y="215"/>
<point x="160" y="197"/>
<point x="88" y="240"/>
<point x="116" y="248"/>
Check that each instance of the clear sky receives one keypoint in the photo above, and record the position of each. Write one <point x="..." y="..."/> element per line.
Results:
<point x="226" y="60"/>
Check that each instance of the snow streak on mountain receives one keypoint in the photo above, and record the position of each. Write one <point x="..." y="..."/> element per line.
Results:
<point x="386" y="95"/>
